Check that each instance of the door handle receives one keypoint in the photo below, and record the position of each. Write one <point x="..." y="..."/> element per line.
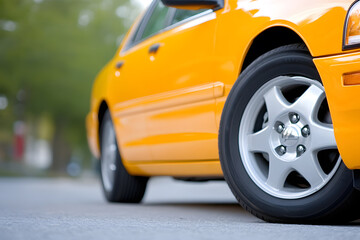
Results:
<point x="154" y="48"/>
<point x="119" y="64"/>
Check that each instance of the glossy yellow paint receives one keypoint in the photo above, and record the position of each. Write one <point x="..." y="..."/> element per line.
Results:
<point x="209" y="168"/>
<point x="174" y="101"/>
<point x="343" y="102"/>
<point x="166" y="106"/>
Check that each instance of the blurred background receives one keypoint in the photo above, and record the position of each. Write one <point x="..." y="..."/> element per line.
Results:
<point x="50" y="53"/>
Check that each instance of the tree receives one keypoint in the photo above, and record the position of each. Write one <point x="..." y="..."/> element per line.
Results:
<point x="50" y="52"/>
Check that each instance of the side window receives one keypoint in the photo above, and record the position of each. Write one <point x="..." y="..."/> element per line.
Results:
<point x="181" y="14"/>
<point x="157" y="20"/>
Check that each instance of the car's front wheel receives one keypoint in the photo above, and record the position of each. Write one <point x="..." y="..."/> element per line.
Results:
<point x="118" y="185"/>
<point x="277" y="146"/>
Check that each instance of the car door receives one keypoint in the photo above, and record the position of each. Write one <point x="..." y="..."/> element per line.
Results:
<point x="164" y="89"/>
<point x="130" y="84"/>
<point x="179" y="109"/>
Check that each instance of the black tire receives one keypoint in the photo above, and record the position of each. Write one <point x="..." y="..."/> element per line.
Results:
<point x="335" y="202"/>
<point x="125" y="188"/>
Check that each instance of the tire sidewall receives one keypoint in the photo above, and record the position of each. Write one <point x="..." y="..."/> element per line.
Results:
<point x="109" y="194"/>
<point x="288" y="62"/>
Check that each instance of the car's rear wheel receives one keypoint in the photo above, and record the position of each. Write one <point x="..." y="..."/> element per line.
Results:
<point x="277" y="146"/>
<point x="118" y="185"/>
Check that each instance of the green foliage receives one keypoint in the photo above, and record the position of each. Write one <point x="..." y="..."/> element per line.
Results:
<point x="52" y="50"/>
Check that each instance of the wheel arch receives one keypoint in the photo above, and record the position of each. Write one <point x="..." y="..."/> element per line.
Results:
<point x="269" y="39"/>
<point x="103" y="107"/>
<point x="94" y="127"/>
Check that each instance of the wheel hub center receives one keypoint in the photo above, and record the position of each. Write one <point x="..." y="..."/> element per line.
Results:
<point x="290" y="136"/>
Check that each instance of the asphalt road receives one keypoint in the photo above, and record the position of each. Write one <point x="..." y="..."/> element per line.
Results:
<point x="75" y="209"/>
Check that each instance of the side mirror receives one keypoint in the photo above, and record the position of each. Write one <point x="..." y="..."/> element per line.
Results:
<point x="194" y="4"/>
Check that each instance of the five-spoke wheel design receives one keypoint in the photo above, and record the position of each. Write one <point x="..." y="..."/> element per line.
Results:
<point x="286" y="139"/>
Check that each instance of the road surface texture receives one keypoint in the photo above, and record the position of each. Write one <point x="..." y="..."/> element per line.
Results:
<point x="46" y="209"/>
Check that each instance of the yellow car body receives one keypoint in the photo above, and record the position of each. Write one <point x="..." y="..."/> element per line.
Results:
<point x="261" y="93"/>
<point x="166" y="105"/>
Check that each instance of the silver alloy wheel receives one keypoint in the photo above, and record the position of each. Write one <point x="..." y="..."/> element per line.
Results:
<point x="288" y="140"/>
<point x="108" y="156"/>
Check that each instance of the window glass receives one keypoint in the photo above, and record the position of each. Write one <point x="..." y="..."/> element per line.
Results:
<point x="156" y="21"/>
<point x="182" y="14"/>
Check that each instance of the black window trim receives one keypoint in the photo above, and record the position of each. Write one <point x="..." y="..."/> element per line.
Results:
<point x="135" y="37"/>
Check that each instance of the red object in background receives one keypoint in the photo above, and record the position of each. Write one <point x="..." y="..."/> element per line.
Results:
<point x="19" y="140"/>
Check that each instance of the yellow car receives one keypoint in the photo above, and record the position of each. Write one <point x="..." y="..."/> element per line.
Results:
<point x="262" y="93"/>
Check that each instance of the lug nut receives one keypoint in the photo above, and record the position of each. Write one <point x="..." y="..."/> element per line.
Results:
<point x="279" y="127"/>
<point x="305" y="131"/>
<point x="300" y="150"/>
<point x="281" y="150"/>
<point x="294" y="118"/>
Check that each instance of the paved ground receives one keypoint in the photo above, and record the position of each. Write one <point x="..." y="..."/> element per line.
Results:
<point x="71" y="209"/>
